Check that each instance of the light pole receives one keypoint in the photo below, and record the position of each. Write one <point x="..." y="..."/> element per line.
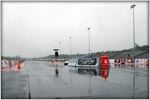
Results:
<point x="132" y="7"/>
<point x="70" y="46"/>
<point x="89" y="38"/>
<point x="60" y="48"/>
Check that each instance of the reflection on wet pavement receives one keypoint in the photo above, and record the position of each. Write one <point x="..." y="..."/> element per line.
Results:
<point x="48" y="81"/>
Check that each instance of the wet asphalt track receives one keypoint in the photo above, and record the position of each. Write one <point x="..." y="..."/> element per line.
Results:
<point x="38" y="80"/>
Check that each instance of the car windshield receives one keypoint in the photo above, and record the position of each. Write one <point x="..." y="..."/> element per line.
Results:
<point x="74" y="50"/>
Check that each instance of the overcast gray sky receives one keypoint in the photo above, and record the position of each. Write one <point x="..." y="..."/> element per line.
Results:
<point x="33" y="29"/>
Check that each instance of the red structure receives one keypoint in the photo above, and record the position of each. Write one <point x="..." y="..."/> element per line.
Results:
<point x="104" y="61"/>
<point x="104" y="66"/>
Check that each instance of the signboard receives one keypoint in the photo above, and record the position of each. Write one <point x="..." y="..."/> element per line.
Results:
<point x="139" y="61"/>
<point x="123" y="61"/>
<point x="131" y="60"/>
<point x="117" y="60"/>
<point x="56" y="49"/>
<point x="111" y="61"/>
<point x="87" y="61"/>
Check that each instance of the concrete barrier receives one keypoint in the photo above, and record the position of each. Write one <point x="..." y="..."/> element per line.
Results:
<point x="8" y="63"/>
<point x="4" y="63"/>
<point x="136" y="61"/>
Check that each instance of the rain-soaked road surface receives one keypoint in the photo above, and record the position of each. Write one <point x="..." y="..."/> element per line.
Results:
<point x="38" y="79"/>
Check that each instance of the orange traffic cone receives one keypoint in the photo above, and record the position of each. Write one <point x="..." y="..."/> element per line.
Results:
<point x="19" y="64"/>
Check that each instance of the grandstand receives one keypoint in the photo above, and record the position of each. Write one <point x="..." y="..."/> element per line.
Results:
<point x="134" y="54"/>
<point x="143" y="55"/>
